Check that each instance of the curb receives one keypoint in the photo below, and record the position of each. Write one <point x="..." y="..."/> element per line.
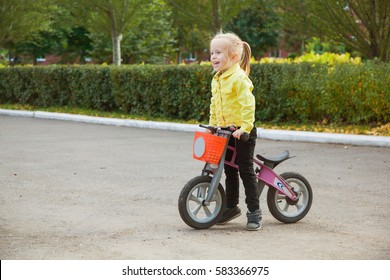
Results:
<point x="270" y="134"/>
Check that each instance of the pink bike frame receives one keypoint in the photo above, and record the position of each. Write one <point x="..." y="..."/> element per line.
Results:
<point x="265" y="175"/>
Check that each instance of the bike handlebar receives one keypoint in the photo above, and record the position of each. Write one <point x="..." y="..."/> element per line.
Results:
<point x="209" y="127"/>
<point x="244" y="137"/>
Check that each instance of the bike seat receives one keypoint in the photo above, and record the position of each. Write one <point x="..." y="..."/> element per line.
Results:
<point x="275" y="159"/>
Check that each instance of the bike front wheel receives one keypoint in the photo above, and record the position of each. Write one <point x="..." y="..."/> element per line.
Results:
<point x="192" y="208"/>
<point x="282" y="207"/>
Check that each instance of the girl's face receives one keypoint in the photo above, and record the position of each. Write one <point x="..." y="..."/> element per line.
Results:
<point x="220" y="58"/>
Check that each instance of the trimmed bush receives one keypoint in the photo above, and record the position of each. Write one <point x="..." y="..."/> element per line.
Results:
<point x="178" y="92"/>
<point x="304" y="92"/>
<point x="82" y="86"/>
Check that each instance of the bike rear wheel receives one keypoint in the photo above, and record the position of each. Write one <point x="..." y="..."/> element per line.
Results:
<point x="191" y="207"/>
<point x="282" y="207"/>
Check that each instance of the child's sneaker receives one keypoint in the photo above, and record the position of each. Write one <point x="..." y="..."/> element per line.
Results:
<point x="229" y="214"/>
<point x="254" y="220"/>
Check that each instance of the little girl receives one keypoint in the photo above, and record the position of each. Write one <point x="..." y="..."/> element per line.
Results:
<point x="232" y="103"/>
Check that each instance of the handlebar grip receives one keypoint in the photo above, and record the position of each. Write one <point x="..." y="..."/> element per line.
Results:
<point x="211" y="128"/>
<point x="244" y="137"/>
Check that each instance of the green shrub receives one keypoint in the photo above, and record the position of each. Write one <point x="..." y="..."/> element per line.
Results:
<point x="358" y="94"/>
<point x="284" y="92"/>
<point x="87" y="86"/>
<point x="181" y="92"/>
<point x="287" y="92"/>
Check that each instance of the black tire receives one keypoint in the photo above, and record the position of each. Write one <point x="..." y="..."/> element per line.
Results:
<point x="283" y="208"/>
<point x="191" y="207"/>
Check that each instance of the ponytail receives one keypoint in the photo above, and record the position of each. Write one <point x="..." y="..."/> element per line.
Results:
<point x="245" y="62"/>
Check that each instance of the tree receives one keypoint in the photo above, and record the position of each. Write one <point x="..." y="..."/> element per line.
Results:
<point x="199" y="20"/>
<point x="258" y="25"/>
<point x="209" y="15"/>
<point x="19" y="19"/>
<point x="148" y="41"/>
<point x="63" y="37"/>
<point x="112" y="17"/>
<point x="151" y="41"/>
<point x="361" y="25"/>
<point x="115" y="16"/>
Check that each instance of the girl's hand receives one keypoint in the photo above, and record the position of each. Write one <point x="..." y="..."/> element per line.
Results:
<point x="238" y="133"/>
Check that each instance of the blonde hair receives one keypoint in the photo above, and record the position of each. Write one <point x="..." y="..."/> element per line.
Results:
<point x="236" y="45"/>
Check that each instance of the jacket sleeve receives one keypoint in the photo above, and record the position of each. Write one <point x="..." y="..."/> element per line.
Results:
<point x="247" y="102"/>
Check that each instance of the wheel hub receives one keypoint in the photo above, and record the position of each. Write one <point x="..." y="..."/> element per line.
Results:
<point x="290" y="201"/>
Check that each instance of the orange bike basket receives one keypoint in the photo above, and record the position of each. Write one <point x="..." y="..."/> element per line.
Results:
<point x="208" y="147"/>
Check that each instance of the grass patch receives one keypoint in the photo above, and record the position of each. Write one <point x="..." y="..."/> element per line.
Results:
<point x="374" y="129"/>
<point x="377" y="130"/>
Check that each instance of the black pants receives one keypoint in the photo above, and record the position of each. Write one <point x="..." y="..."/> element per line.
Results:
<point x="244" y="160"/>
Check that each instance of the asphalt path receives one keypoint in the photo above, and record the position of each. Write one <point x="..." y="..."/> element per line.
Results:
<point x="71" y="190"/>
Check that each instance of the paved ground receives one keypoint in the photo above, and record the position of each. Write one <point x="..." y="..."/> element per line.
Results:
<point x="84" y="191"/>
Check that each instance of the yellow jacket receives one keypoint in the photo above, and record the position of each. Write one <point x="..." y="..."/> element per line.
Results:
<point x="232" y="101"/>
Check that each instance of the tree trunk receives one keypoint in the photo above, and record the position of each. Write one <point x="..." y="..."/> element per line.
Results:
<point x="116" y="49"/>
<point x="217" y="28"/>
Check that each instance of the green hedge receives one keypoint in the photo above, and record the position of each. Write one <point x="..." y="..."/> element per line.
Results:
<point x="181" y="92"/>
<point x="88" y="87"/>
<point x="345" y="93"/>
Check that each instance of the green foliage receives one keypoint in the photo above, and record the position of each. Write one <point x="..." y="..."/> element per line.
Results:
<point x="207" y="16"/>
<point x="358" y="94"/>
<point x="325" y="58"/>
<point x="361" y="26"/>
<point x="155" y="44"/>
<point x="317" y="46"/>
<point x="180" y="92"/>
<point x="301" y="93"/>
<point x="287" y="92"/>
<point x="20" y="18"/>
<point x="88" y="86"/>
<point x="258" y="25"/>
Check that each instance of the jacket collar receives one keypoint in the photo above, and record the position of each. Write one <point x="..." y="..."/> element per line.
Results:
<point x="236" y="67"/>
